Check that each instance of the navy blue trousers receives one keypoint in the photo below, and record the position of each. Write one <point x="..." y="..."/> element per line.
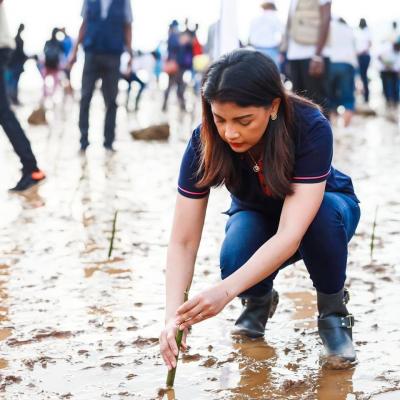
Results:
<point x="323" y="247"/>
<point x="10" y="124"/>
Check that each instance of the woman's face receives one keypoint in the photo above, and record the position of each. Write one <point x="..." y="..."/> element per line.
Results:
<point x="242" y="127"/>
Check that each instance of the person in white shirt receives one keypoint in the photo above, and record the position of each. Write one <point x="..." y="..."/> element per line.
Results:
<point x="266" y="31"/>
<point x="389" y="66"/>
<point x="342" y="68"/>
<point x="363" y="46"/>
<point x="306" y="41"/>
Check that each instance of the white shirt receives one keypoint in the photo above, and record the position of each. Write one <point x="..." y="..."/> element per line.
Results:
<point x="266" y="30"/>
<point x="6" y="40"/>
<point x="297" y="51"/>
<point x="363" y="40"/>
<point x="343" y="44"/>
<point x="388" y="59"/>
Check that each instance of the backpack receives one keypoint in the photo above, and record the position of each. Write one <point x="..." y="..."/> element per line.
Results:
<point x="52" y="53"/>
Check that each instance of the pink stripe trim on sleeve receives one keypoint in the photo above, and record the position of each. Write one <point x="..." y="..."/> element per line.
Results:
<point x="195" y="193"/>
<point x="313" y="177"/>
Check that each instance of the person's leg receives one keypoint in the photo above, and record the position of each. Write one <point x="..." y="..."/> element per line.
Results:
<point x="171" y="82"/>
<point x="396" y="88"/>
<point x="110" y="77"/>
<point x="89" y="77"/>
<point x="383" y="75"/>
<point x="334" y="87"/>
<point x="246" y="231"/>
<point x="180" y="89"/>
<point x="139" y="94"/>
<point x="296" y="75"/>
<point x="324" y="251"/>
<point x="316" y="88"/>
<point x="347" y="98"/>
<point x="12" y="127"/>
<point x="363" y="62"/>
<point x="324" y="246"/>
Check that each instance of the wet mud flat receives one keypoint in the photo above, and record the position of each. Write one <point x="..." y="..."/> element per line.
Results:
<point x="75" y="324"/>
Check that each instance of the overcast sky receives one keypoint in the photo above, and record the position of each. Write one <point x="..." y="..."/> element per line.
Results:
<point x="152" y="16"/>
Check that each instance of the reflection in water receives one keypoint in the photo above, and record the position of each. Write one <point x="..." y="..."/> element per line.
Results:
<point x="334" y="384"/>
<point x="32" y="197"/>
<point x="255" y="360"/>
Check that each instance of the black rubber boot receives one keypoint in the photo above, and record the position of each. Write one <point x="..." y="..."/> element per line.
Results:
<point x="335" y="329"/>
<point x="255" y="314"/>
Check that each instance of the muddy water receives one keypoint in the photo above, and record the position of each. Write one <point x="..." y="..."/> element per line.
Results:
<point x="75" y="325"/>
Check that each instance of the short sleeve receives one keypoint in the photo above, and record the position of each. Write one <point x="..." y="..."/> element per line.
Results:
<point x="128" y="12"/>
<point x="313" y="155"/>
<point x="188" y="174"/>
<point x="84" y="9"/>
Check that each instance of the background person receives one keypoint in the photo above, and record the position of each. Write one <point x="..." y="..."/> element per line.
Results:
<point x="31" y="174"/>
<point x="105" y="33"/>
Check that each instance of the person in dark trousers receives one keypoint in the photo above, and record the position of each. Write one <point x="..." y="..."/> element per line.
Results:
<point x="53" y="54"/>
<point x="180" y="51"/>
<point x="273" y="151"/>
<point x="16" y="66"/>
<point x="31" y="174"/>
<point x="306" y="44"/>
<point x="363" y="45"/>
<point x="105" y="33"/>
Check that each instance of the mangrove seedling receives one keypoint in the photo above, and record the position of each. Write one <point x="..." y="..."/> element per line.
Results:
<point x="111" y="248"/>
<point x="178" y="338"/>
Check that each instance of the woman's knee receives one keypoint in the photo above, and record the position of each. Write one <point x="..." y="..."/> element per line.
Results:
<point x="246" y="231"/>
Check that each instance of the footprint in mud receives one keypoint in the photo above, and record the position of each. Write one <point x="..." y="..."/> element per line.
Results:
<point x="110" y="365"/>
<point x="143" y="342"/>
<point x="39" y="337"/>
<point x="42" y="360"/>
<point x="290" y="384"/>
<point x="190" y="357"/>
<point x="8" y="380"/>
<point x="209" y="362"/>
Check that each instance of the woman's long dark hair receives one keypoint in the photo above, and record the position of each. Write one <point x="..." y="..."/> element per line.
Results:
<point x="248" y="78"/>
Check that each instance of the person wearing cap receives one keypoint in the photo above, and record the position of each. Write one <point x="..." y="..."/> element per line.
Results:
<point x="31" y="174"/>
<point x="266" y="31"/>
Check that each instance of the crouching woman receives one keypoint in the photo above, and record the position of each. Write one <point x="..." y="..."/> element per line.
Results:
<point x="273" y="151"/>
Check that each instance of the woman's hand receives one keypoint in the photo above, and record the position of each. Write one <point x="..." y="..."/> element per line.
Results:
<point x="205" y="305"/>
<point x="168" y="346"/>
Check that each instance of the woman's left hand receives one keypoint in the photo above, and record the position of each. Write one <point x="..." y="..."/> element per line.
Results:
<point x="202" y="306"/>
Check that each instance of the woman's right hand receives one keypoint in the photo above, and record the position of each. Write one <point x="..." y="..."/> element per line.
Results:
<point x="168" y="346"/>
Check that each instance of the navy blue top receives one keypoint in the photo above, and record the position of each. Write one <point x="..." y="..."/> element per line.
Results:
<point x="105" y="35"/>
<point x="313" y="157"/>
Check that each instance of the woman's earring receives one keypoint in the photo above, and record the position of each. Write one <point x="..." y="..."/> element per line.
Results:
<point x="274" y="117"/>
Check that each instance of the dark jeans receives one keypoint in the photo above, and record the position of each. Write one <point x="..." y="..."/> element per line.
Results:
<point x="341" y="86"/>
<point x="106" y="68"/>
<point x="390" y="83"/>
<point x="323" y="247"/>
<point x="315" y="88"/>
<point x="176" y="79"/>
<point x="363" y="62"/>
<point x="15" y="73"/>
<point x="134" y="78"/>
<point x="10" y="124"/>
